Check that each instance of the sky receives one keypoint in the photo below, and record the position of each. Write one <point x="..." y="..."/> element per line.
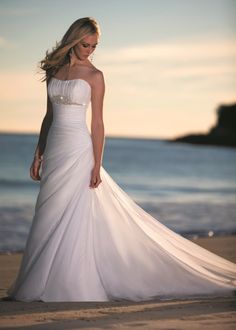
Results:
<point x="168" y="64"/>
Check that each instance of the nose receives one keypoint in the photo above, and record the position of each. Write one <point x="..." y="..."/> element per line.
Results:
<point x="91" y="49"/>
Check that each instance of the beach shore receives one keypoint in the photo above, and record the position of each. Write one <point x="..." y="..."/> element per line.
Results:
<point x="208" y="313"/>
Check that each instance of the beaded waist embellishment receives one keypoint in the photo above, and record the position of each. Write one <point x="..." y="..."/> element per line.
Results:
<point x="60" y="99"/>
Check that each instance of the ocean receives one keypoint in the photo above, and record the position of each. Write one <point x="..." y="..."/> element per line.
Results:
<point x="191" y="189"/>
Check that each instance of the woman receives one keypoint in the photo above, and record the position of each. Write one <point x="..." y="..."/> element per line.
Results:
<point x="89" y="241"/>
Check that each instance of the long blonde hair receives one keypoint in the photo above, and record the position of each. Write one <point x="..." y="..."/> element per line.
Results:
<point x="60" y="54"/>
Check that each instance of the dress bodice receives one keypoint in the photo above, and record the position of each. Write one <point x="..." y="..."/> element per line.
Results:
<point x="69" y="92"/>
<point x="70" y="100"/>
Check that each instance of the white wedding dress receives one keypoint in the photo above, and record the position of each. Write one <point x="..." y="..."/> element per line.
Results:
<point x="89" y="244"/>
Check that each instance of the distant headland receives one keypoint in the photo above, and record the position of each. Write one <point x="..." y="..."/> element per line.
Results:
<point x="223" y="133"/>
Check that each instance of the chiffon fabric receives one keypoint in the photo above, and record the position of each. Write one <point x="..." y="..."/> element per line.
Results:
<point x="89" y="244"/>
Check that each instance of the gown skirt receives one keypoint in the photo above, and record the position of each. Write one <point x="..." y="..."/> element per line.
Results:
<point x="97" y="244"/>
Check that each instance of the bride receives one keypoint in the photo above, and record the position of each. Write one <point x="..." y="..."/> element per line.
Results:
<point x="89" y="241"/>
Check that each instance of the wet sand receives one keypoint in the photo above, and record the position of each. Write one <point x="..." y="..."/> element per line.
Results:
<point x="208" y="313"/>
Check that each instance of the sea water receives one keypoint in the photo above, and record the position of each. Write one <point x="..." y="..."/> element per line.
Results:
<point x="189" y="188"/>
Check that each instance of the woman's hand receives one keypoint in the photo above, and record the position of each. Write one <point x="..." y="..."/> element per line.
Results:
<point x="95" y="177"/>
<point x="34" y="169"/>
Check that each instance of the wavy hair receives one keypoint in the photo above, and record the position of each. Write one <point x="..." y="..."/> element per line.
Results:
<point x="60" y="54"/>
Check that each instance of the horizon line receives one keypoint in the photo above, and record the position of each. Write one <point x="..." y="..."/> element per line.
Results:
<point x="2" y="132"/>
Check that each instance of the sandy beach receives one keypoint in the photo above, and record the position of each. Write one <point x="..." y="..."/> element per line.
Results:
<point x="208" y="313"/>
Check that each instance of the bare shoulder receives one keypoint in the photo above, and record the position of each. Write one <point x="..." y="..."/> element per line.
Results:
<point x="97" y="78"/>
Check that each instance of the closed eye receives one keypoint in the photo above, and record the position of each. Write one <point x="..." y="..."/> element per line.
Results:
<point x="87" y="45"/>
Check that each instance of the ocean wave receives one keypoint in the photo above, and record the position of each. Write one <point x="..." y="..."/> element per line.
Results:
<point x="17" y="183"/>
<point x="179" y="189"/>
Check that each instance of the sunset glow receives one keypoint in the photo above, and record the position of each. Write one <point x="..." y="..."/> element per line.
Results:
<point x="159" y="86"/>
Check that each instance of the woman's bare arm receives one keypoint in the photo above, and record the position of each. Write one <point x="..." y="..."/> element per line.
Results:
<point x="46" y="123"/>
<point x="97" y="126"/>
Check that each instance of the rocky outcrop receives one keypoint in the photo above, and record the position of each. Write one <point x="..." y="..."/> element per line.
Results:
<point x="223" y="133"/>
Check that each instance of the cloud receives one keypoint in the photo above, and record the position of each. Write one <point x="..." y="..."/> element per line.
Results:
<point x="168" y="80"/>
<point x="29" y="88"/>
<point x="23" y="101"/>
<point x="207" y="49"/>
<point x="18" y="11"/>
<point x="185" y="58"/>
<point x="6" y="44"/>
<point x="202" y="70"/>
<point x="147" y="85"/>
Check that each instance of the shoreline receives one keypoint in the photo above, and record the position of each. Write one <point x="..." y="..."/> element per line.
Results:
<point x="214" y="313"/>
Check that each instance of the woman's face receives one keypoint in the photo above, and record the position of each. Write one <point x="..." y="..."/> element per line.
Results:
<point x="86" y="46"/>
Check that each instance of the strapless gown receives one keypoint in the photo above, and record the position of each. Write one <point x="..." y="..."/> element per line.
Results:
<point x="97" y="244"/>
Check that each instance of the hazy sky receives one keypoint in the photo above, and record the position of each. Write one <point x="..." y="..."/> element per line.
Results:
<point x="167" y="63"/>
